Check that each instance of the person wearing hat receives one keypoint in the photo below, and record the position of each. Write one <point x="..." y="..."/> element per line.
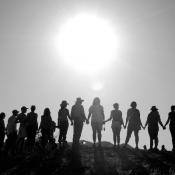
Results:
<point x="171" y="120"/>
<point x="78" y="117"/>
<point x="2" y="129"/>
<point x="11" y="132"/>
<point x="63" y="123"/>
<point x="31" y="127"/>
<point x="97" y="113"/>
<point x="134" y="123"/>
<point x="117" y="121"/>
<point x="21" y="118"/>
<point x="153" y="121"/>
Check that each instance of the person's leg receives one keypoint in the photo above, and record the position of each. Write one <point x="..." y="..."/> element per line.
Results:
<point x="78" y="126"/>
<point x="99" y="128"/>
<point x="66" y="125"/>
<point x="114" y="135"/>
<point x="118" y="136"/>
<point x="173" y="137"/>
<point x="1" y="140"/>
<point x="156" y="142"/>
<point x="61" y="133"/>
<point x="151" y="143"/>
<point x="136" y="133"/>
<point x="129" y="132"/>
<point x="94" y="131"/>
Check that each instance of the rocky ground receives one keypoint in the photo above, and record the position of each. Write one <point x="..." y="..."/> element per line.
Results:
<point x="89" y="160"/>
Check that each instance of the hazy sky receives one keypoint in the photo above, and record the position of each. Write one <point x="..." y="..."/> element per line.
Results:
<point x="31" y="71"/>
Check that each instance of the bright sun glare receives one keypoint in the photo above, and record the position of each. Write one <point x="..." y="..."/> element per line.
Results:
<point x="87" y="43"/>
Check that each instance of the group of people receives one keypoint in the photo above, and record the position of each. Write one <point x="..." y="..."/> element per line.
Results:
<point x="29" y="125"/>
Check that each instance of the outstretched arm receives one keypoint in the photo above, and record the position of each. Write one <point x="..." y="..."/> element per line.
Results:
<point x="70" y="118"/>
<point x="146" y="123"/>
<point x="160" y="122"/>
<point x="168" y="120"/>
<point x="127" y="119"/>
<point x="108" y="118"/>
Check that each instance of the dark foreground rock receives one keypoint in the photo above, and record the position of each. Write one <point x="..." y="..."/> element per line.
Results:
<point x="89" y="160"/>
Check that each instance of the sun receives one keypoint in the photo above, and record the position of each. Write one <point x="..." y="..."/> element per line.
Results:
<point x="87" y="43"/>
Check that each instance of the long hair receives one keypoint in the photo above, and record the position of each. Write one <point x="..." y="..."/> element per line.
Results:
<point x="46" y="112"/>
<point x="96" y="101"/>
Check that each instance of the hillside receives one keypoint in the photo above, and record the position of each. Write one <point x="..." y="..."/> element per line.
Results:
<point x="90" y="161"/>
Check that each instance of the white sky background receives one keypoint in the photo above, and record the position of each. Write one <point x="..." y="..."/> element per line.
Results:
<point x="32" y="73"/>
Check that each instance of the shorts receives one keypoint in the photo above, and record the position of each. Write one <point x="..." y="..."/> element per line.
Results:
<point x="97" y="126"/>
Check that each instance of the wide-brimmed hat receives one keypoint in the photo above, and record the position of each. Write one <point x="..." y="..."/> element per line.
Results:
<point x="154" y="108"/>
<point x="79" y="99"/>
<point x="15" y="111"/>
<point x="64" y="102"/>
<point x="23" y="107"/>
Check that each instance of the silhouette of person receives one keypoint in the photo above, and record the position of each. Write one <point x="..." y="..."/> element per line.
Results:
<point x="171" y="120"/>
<point x="78" y="117"/>
<point x="2" y="129"/>
<point x="63" y="123"/>
<point x="134" y="123"/>
<point x="153" y="121"/>
<point x="31" y="127"/>
<point x="97" y="113"/>
<point x="52" y="130"/>
<point x="117" y="121"/>
<point x="11" y="132"/>
<point x="21" y="118"/>
<point x="45" y="126"/>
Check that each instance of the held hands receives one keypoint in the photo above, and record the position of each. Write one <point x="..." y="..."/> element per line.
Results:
<point x="164" y="127"/>
<point x="87" y="121"/>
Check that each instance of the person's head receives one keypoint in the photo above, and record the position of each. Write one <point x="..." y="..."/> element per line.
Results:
<point x="64" y="104"/>
<point x="96" y="101"/>
<point x="154" y="108"/>
<point x="33" y="107"/>
<point x="79" y="100"/>
<point x="24" y="109"/>
<point x="172" y="108"/>
<point x="15" y="112"/>
<point x="46" y="112"/>
<point x="2" y="115"/>
<point x="133" y="104"/>
<point x="116" y="106"/>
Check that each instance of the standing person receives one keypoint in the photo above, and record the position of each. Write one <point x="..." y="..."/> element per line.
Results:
<point x="117" y="121"/>
<point x="21" y="118"/>
<point x="171" y="120"/>
<point x="134" y="123"/>
<point x="11" y="132"/>
<point x="153" y="122"/>
<point x="2" y="129"/>
<point x="97" y="113"/>
<point x="45" y="126"/>
<point x="31" y="127"/>
<point x="78" y="117"/>
<point x="63" y="123"/>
